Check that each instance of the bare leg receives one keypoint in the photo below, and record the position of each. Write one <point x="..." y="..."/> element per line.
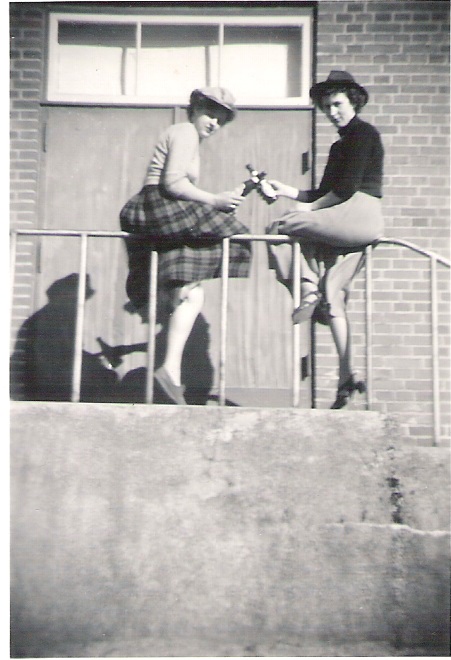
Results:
<point x="180" y="325"/>
<point x="341" y="334"/>
<point x="309" y="270"/>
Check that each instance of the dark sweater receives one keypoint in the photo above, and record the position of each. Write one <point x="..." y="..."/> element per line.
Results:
<point x="355" y="163"/>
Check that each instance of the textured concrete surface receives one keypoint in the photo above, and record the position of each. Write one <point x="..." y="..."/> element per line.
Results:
<point x="274" y="646"/>
<point x="198" y="531"/>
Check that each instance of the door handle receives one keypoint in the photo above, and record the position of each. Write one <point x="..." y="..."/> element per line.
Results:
<point x="305" y="162"/>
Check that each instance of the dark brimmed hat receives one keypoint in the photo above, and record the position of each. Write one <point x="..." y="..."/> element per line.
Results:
<point x="219" y="95"/>
<point x="336" y="79"/>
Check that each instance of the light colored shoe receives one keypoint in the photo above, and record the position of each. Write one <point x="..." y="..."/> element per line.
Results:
<point x="172" y="391"/>
<point x="305" y="310"/>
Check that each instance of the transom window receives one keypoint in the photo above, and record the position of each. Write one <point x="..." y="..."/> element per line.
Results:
<point x="155" y="60"/>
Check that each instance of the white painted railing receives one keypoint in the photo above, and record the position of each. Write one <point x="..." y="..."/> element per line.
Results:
<point x="434" y="259"/>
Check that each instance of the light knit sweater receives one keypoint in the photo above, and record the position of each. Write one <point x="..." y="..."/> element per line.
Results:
<point x="176" y="156"/>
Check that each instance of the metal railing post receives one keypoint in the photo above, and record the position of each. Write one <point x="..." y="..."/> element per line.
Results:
<point x="435" y="356"/>
<point x="296" y="332"/>
<point x="369" y="325"/>
<point x="153" y="273"/>
<point x="223" y="331"/>
<point x="313" y="388"/>
<point x="80" y="313"/>
<point x="81" y="299"/>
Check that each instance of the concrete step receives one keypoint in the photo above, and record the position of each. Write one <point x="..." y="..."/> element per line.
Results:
<point x="343" y="466"/>
<point x="255" y="530"/>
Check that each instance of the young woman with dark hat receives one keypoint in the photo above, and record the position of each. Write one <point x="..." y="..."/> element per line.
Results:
<point x="337" y="220"/>
<point x="182" y="221"/>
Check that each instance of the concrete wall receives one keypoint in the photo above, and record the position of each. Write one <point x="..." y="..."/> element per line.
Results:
<point x="163" y="530"/>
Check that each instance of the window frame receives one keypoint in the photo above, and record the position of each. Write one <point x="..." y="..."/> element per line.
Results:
<point x="303" y="21"/>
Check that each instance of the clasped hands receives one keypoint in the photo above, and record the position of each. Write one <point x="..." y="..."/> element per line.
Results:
<point x="229" y="201"/>
<point x="281" y="226"/>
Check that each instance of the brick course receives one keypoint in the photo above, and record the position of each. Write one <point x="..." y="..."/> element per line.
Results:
<point x="26" y="59"/>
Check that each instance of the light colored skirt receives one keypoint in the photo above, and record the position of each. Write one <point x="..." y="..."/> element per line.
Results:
<point x="333" y="250"/>
<point x="354" y="223"/>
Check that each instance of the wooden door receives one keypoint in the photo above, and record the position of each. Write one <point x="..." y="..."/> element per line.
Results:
<point x="259" y="329"/>
<point x="95" y="159"/>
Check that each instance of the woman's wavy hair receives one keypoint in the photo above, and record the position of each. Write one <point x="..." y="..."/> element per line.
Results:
<point x="355" y="96"/>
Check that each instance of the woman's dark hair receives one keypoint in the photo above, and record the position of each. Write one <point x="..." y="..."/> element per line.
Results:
<point x="355" y="96"/>
<point x="198" y="101"/>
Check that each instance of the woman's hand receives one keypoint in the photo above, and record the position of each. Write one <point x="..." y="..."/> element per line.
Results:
<point x="273" y="228"/>
<point x="282" y="225"/>
<point x="283" y="190"/>
<point x="227" y="201"/>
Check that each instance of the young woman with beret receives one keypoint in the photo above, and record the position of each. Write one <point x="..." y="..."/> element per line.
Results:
<point x="185" y="224"/>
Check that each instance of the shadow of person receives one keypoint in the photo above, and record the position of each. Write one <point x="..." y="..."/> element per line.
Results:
<point x="45" y="347"/>
<point x="197" y="369"/>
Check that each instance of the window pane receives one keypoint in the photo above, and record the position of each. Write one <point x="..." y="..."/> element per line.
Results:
<point x="128" y="60"/>
<point x="175" y="59"/>
<point x="94" y="58"/>
<point x="262" y="62"/>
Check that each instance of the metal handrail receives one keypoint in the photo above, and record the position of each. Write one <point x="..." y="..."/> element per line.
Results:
<point x="238" y="237"/>
<point x="84" y="235"/>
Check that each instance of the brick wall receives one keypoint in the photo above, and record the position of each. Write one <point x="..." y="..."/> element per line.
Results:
<point x="400" y="52"/>
<point x="27" y="22"/>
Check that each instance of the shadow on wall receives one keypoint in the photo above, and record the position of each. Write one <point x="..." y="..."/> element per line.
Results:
<point x="45" y="347"/>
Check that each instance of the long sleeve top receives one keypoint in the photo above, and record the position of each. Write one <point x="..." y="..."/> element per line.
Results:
<point x="175" y="157"/>
<point x="355" y="163"/>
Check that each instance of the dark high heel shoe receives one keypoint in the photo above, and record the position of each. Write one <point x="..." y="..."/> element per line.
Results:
<point x="345" y="392"/>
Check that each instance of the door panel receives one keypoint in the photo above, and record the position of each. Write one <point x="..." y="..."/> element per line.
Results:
<point x="96" y="158"/>
<point x="259" y="328"/>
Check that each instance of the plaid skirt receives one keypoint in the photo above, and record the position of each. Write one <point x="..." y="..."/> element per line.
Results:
<point x="187" y="236"/>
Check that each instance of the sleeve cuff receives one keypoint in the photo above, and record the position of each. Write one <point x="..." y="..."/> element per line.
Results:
<point x="303" y="196"/>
